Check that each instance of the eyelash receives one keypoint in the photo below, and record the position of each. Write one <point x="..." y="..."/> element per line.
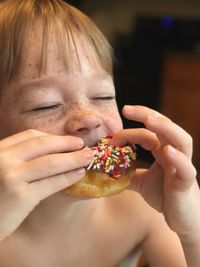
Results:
<point x="105" y="98"/>
<point x="52" y="107"/>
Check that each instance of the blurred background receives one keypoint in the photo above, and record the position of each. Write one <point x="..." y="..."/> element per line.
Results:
<point x="157" y="49"/>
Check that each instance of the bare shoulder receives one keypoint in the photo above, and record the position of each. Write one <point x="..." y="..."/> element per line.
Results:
<point x="130" y="211"/>
<point x="131" y="205"/>
<point x="147" y="228"/>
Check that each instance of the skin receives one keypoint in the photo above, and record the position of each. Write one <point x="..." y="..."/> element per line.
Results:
<point x="42" y="226"/>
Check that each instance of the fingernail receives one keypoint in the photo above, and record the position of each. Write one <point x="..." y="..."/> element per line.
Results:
<point x="80" y="141"/>
<point x="128" y="108"/>
<point x="80" y="171"/>
<point x="171" y="150"/>
<point x="88" y="153"/>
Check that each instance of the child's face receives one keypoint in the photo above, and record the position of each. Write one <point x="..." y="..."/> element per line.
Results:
<point x="80" y="103"/>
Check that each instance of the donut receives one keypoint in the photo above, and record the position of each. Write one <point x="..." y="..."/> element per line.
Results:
<point x="109" y="173"/>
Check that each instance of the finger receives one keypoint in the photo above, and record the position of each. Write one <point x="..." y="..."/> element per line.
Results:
<point x="46" y="187"/>
<point x="141" y="136"/>
<point x="51" y="165"/>
<point x="167" y="131"/>
<point x="185" y="173"/>
<point x="20" y="137"/>
<point x="149" y="184"/>
<point x="171" y="133"/>
<point x="139" y="113"/>
<point x="43" y="145"/>
<point x="146" y="180"/>
<point x="138" y="179"/>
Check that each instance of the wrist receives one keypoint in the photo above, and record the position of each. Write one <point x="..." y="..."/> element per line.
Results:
<point x="191" y="248"/>
<point x="189" y="237"/>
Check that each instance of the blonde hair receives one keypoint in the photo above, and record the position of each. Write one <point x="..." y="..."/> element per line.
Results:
<point x="17" y="21"/>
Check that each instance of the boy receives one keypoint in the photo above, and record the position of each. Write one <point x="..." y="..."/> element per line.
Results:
<point x="57" y="96"/>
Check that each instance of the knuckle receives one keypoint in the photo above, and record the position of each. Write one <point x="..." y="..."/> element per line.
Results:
<point x="34" y="132"/>
<point x="39" y="141"/>
<point x="165" y="119"/>
<point x="194" y="171"/>
<point x="188" y="145"/>
<point x="51" y="162"/>
<point x="189" y="140"/>
<point x="75" y="159"/>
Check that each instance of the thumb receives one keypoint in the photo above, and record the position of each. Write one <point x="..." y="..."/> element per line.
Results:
<point x="149" y="184"/>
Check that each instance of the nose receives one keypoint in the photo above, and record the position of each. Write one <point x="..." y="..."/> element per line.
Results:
<point x="83" y="121"/>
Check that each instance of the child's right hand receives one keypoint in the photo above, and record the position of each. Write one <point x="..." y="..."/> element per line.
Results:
<point x="33" y="166"/>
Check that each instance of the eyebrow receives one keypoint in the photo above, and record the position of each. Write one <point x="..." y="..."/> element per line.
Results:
<point x="36" y="84"/>
<point x="47" y="80"/>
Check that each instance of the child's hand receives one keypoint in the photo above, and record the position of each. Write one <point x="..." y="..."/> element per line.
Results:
<point x="33" y="166"/>
<point x="170" y="183"/>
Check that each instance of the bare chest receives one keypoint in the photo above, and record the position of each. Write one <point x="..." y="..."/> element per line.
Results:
<point x="102" y="245"/>
<point x="101" y="239"/>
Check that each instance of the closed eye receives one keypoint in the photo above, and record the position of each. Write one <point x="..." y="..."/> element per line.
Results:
<point x="46" y="107"/>
<point x="104" y="98"/>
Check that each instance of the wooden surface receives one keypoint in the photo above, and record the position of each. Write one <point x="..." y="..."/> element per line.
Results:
<point x="181" y="96"/>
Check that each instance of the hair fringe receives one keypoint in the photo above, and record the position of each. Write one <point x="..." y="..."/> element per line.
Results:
<point x="18" y="19"/>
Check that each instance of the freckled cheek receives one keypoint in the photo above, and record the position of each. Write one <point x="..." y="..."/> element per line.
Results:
<point x="55" y="125"/>
<point x="48" y="126"/>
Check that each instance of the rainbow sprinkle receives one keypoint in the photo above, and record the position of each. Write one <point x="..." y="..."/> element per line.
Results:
<point x="113" y="160"/>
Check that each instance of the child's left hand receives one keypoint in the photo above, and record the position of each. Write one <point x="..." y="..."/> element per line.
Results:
<point x="169" y="185"/>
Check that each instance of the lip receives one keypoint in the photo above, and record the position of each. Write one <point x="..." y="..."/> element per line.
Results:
<point x="91" y="142"/>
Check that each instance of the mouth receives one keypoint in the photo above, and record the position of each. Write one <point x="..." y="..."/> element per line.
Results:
<point x="90" y="142"/>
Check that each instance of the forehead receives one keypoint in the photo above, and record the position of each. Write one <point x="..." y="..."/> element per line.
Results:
<point x="27" y="38"/>
<point x="83" y="72"/>
<point x="48" y="56"/>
